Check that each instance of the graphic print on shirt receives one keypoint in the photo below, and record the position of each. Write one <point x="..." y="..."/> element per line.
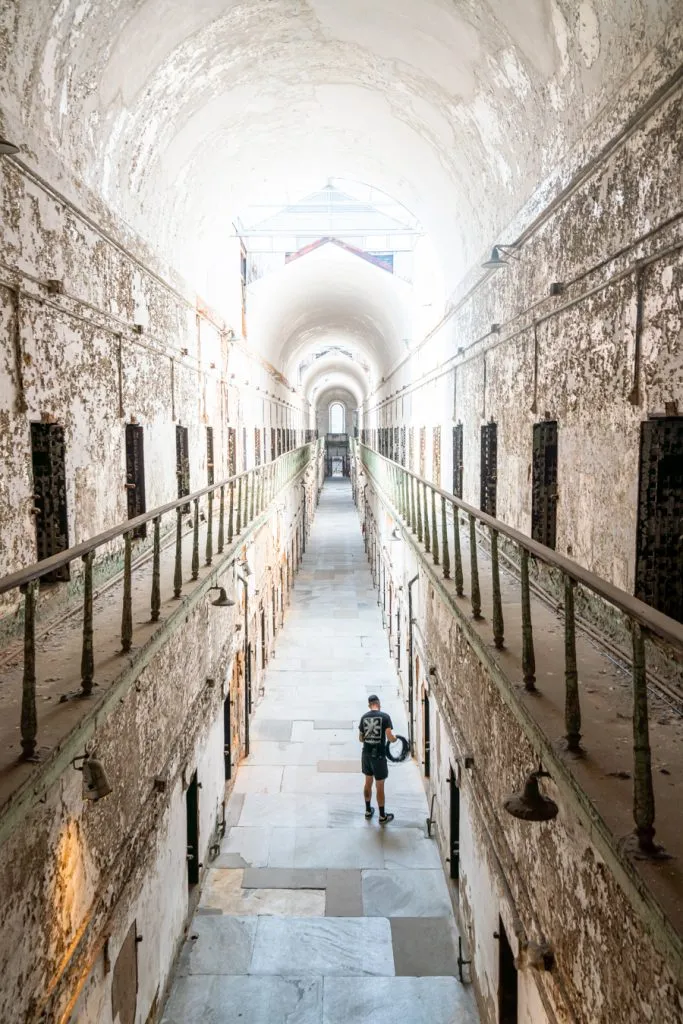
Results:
<point x="372" y="729"/>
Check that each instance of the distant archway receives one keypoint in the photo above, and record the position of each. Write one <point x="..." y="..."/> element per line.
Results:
<point x="337" y="418"/>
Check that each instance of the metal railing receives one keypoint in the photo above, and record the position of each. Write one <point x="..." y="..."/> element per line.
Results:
<point x="425" y="509"/>
<point x="241" y="499"/>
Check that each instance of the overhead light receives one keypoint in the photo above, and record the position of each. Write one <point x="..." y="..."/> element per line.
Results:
<point x="222" y="601"/>
<point x="95" y="781"/>
<point x="246" y="568"/>
<point x="7" y="148"/>
<point x="495" y="261"/>
<point x="395" y="534"/>
<point x="530" y="804"/>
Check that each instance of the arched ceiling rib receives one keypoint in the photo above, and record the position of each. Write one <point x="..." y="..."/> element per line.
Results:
<point x="180" y="114"/>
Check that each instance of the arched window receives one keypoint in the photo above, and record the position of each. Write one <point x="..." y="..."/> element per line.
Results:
<point x="337" y="418"/>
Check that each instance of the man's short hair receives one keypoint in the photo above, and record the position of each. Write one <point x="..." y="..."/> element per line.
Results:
<point x="373" y="699"/>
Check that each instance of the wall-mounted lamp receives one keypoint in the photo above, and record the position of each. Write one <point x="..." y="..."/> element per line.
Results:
<point x="246" y="568"/>
<point x="395" y="534"/>
<point x="495" y="262"/>
<point x="7" y="148"/>
<point x="95" y="781"/>
<point x="530" y="804"/>
<point x="222" y="601"/>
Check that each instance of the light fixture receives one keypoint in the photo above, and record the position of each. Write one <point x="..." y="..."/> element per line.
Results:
<point x="222" y="601"/>
<point x="245" y="567"/>
<point x="531" y="805"/>
<point x="7" y="148"/>
<point x="495" y="261"/>
<point x="95" y="781"/>
<point x="395" y="534"/>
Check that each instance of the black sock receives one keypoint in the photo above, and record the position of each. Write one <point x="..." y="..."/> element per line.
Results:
<point x="368" y="805"/>
<point x="381" y="811"/>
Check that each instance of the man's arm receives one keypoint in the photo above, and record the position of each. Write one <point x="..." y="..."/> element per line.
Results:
<point x="389" y="731"/>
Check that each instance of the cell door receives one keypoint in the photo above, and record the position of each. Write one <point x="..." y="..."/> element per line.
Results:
<point x="135" y="475"/>
<point x="232" y="452"/>
<point x="489" y="468"/>
<point x="227" y="738"/>
<point x="544" y="483"/>
<point x="659" y="539"/>
<point x="263" y="639"/>
<point x="209" y="456"/>
<point x="457" y="460"/>
<point x="48" y="454"/>
<point x="507" y="979"/>
<point x="192" y="808"/>
<point x="426" y="736"/>
<point x="182" y="464"/>
<point x="454" y="805"/>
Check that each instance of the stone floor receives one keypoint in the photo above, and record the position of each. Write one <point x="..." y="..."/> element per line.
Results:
<point x="311" y="914"/>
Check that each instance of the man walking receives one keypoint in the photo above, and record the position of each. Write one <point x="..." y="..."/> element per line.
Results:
<point x="374" y="730"/>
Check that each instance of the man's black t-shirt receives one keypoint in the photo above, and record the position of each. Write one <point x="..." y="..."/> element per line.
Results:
<point x="373" y="728"/>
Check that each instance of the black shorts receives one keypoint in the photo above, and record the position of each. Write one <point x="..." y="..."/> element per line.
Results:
<point x="374" y="764"/>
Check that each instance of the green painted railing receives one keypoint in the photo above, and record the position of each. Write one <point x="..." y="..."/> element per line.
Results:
<point x="435" y="517"/>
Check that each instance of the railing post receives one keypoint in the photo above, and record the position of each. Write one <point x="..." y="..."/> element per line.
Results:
<point x="474" y="570"/>
<point x="426" y="519"/>
<point x="29" y="715"/>
<point x="457" y="552"/>
<point x="231" y="512"/>
<point x="498" y="627"/>
<point x="446" y="558"/>
<point x="413" y="514"/>
<point x="221" y="521"/>
<point x="156" y="571"/>
<point x="209" y="530"/>
<point x="572" y="707"/>
<point x="254" y="477"/>
<point x="528" y="656"/>
<point x="418" y="502"/>
<point x="195" y="540"/>
<point x="87" y="652"/>
<point x="435" y="534"/>
<point x="178" y="569"/>
<point x="238" y="525"/>
<point x="127" y="611"/>
<point x="643" y="792"/>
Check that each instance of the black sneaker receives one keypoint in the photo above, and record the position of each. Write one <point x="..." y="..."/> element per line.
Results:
<point x="369" y="814"/>
<point x="386" y="819"/>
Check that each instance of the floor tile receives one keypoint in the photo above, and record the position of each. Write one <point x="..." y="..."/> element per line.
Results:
<point x="323" y="946"/>
<point x="344" y="896"/>
<point x="224" y="891"/>
<point x="423" y="946"/>
<point x="218" y="944"/>
<point x="388" y="1000"/>
<point x="407" y="893"/>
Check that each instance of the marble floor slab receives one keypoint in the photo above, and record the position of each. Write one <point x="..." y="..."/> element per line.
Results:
<point x="245" y="1000"/>
<point x="224" y="891"/>
<point x="323" y="946"/>
<point x="405" y="893"/>
<point x="388" y="1000"/>
<point x="218" y="944"/>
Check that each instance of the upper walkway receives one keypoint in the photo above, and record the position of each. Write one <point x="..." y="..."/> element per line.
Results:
<point x="310" y="913"/>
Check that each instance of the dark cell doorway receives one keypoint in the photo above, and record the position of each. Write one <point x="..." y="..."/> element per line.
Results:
<point x="182" y="459"/>
<point x="209" y="456"/>
<point x="489" y="468"/>
<point x="426" y="735"/>
<point x="48" y="454"/>
<point x="507" y="979"/>
<point x="659" y="550"/>
<point x="227" y="738"/>
<point x="457" y="460"/>
<point x="124" y="988"/>
<point x="544" y="483"/>
<point x="192" y="807"/>
<point x="135" y="475"/>
<point x="454" y="809"/>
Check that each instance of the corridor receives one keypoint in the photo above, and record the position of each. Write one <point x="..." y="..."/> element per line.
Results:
<point x="310" y="913"/>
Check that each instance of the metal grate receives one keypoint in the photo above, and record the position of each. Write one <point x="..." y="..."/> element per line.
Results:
<point x="209" y="456"/>
<point x="544" y="483"/>
<point x="403" y="446"/>
<point x="48" y="452"/>
<point x="436" y="455"/>
<point x="232" y="452"/>
<point x="457" y="460"/>
<point x="489" y="468"/>
<point x="257" y="446"/>
<point x="135" y="475"/>
<point x="659" y="552"/>
<point x="182" y="463"/>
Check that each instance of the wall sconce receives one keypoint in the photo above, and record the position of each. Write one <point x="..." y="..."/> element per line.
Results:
<point x="246" y="568"/>
<point x="495" y="262"/>
<point x="530" y="804"/>
<point x="222" y="601"/>
<point x="7" y="148"/>
<point x="395" y="534"/>
<point x="95" y="781"/>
